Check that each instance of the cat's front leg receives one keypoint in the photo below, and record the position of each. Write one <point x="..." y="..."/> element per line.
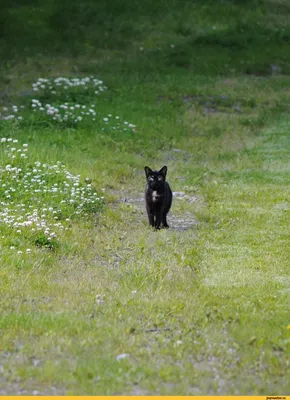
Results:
<point x="150" y="217"/>
<point x="158" y="220"/>
<point x="164" y="221"/>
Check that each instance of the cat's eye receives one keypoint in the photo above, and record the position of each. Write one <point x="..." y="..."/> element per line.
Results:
<point x="151" y="178"/>
<point x="160" y="178"/>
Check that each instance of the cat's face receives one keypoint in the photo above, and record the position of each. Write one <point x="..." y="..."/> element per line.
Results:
<point x="155" y="179"/>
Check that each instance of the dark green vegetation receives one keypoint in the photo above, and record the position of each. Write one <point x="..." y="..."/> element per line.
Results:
<point x="197" y="311"/>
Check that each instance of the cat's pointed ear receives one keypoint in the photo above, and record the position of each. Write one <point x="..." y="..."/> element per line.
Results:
<point x="148" y="171"/>
<point x="163" y="171"/>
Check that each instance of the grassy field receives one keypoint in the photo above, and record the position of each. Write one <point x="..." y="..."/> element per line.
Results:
<point x="92" y="300"/>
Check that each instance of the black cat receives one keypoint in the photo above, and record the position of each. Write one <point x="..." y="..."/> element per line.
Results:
<point x="158" y="197"/>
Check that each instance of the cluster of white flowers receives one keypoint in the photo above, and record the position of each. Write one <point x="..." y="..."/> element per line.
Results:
<point x="115" y="123"/>
<point x="65" y="101"/>
<point x="13" y="150"/>
<point x="39" y="200"/>
<point x="11" y="113"/>
<point x="56" y="85"/>
<point x="65" y="112"/>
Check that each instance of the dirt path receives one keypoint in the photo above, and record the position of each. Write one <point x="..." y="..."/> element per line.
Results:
<point x="177" y="220"/>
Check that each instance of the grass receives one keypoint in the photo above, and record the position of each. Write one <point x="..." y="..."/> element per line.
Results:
<point x="192" y="309"/>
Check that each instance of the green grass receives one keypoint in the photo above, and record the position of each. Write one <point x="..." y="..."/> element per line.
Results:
<point x="201" y="308"/>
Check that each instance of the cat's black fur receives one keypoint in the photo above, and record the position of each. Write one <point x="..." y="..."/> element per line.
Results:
<point x="158" y="197"/>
